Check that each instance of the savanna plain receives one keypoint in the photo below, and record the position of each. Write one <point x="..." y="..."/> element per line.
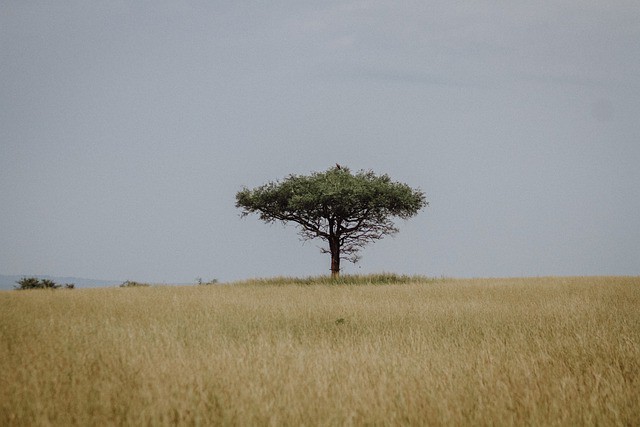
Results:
<point x="402" y="351"/>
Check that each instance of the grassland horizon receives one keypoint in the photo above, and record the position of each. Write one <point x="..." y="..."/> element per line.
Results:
<point x="287" y="351"/>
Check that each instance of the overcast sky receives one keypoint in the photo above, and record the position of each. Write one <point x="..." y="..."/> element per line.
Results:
<point x="127" y="127"/>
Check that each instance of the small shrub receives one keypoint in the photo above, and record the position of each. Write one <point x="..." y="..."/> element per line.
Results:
<point x="35" y="283"/>
<point x="210" y="282"/>
<point x="132" y="284"/>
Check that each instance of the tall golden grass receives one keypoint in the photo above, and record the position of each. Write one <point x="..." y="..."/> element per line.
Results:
<point x="543" y="351"/>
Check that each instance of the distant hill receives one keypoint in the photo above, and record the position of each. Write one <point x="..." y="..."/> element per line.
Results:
<point x="8" y="282"/>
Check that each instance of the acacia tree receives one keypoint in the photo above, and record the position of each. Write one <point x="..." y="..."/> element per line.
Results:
<point x="344" y="209"/>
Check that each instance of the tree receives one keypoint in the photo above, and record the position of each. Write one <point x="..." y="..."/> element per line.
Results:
<point x="35" y="283"/>
<point x="346" y="210"/>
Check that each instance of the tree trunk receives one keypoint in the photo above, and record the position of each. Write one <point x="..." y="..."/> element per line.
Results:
<point x="335" y="266"/>
<point x="334" y="248"/>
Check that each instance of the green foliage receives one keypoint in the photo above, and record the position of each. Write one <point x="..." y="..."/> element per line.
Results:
<point x="132" y="284"/>
<point x="35" y="283"/>
<point x="347" y="210"/>
<point x="335" y="193"/>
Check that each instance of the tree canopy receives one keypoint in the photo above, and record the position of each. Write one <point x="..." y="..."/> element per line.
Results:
<point x="347" y="210"/>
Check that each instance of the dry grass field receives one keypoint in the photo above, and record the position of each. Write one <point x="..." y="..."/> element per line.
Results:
<point x="540" y="351"/>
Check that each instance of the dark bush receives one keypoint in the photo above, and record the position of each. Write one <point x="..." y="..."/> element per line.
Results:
<point x="35" y="283"/>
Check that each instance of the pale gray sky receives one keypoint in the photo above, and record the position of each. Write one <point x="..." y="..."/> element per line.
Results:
<point x="127" y="127"/>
